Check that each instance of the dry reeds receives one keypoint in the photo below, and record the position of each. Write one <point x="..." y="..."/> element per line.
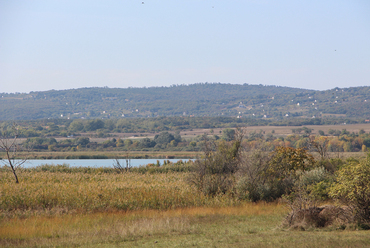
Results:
<point x="60" y="192"/>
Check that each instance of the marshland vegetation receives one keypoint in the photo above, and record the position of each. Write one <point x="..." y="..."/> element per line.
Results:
<point x="229" y="197"/>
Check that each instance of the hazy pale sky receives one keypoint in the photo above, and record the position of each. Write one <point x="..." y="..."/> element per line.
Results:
<point x="63" y="44"/>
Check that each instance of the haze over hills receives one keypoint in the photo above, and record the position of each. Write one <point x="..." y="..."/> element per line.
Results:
<point x="202" y="99"/>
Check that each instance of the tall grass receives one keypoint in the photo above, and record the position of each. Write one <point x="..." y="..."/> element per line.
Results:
<point x="61" y="189"/>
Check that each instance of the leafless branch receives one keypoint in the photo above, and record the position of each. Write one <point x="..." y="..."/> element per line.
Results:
<point x="8" y="144"/>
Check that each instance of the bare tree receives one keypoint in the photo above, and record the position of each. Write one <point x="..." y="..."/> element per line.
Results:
<point x="11" y="147"/>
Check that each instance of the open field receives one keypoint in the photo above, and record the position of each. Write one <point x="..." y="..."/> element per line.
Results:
<point x="249" y="225"/>
<point x="282" y="130"/>
<point x="279" y="131"/>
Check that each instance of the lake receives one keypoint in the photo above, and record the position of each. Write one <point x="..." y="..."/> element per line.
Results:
<point x="95" y="162"/>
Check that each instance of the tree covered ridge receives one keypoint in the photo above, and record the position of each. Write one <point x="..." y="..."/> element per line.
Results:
<point x="203" y="99"/>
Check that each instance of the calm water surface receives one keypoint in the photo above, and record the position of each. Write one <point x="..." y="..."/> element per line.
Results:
<point x="95" y="162"/>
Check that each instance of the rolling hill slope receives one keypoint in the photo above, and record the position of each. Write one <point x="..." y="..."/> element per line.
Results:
<point x="203" y="99"/>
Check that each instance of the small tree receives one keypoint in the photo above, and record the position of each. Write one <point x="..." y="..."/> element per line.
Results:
<point x="286" y="161"/>
<point x="9" y="145"/>
<point x="320" y="145"/>
<point x="228" y="134"/>
<point x="281" y="172"/>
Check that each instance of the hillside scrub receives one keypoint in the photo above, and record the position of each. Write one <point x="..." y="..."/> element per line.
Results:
<point x="201" y="99"/>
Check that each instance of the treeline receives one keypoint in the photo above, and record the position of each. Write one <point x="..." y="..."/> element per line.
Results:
<point x="162" y="141"/>
<point x="334" y="141"/>
<point x="106" y="127"/>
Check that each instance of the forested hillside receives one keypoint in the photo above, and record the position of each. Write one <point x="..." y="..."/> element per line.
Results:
<point x="203" y="99"/>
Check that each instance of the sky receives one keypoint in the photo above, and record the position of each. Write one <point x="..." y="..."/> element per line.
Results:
<point x="64" y="44"/>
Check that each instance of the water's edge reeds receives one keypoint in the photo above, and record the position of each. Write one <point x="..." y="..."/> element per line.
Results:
<point x="56" y="189"/>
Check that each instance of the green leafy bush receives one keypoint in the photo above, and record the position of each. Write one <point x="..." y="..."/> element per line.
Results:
<point x="352" y="188"/>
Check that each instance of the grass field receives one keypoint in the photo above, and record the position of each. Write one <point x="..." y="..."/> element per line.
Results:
<point x="279" y="130"/>
<point x="250" y="225"/>
<point x="100" y="208"/>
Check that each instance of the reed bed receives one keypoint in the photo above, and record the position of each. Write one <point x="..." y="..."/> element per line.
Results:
<point x="58" y="192"/>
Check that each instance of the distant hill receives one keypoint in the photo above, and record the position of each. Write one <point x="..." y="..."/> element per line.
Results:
<point x="203" y="99"/>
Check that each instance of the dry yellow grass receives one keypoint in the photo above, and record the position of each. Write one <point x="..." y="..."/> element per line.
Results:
<point x="54" y="193"/>
<point x="91" y="228"/>
<point x="141" y="210"/>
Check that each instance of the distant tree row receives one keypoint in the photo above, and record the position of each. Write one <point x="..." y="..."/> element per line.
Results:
<point x="105" y="127"/>
<point x="166" y="141"/>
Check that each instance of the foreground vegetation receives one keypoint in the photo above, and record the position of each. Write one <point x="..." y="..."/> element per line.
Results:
<point x="62" y="189"/>
<point x="249" y="225"/>
<point x="229" y="196"/>
<point x="76" y="206"/>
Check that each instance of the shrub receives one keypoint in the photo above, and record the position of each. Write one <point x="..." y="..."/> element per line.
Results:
<point x="353" y="189"/>
<point x="251" y="183"/>
<point x="283" y="170"/>
<point x="215" y="171"/>
<point x="310" y="188"/>
<point x="267" y="176"/>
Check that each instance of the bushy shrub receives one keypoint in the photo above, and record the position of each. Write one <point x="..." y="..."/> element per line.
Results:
<point x="353" y="189"/>
<point x="315" y="183"/>
<point x="215" y="171"/>
<point x="268" y="176"/>
<point x="251" y="184"/>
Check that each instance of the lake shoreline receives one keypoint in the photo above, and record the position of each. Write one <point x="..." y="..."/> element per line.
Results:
<point x="99" y="163"/>
<point x="104" y="155"/>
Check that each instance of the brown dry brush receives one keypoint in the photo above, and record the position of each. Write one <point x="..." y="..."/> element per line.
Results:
<point x="214" y="173"/>
<point x="315" y="217"/>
